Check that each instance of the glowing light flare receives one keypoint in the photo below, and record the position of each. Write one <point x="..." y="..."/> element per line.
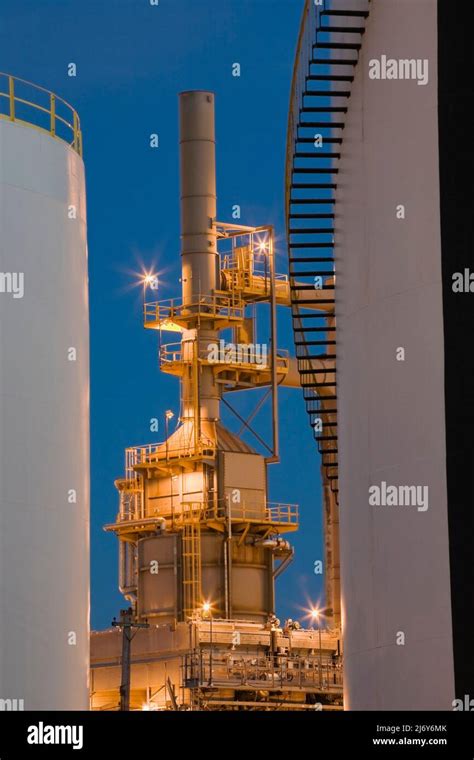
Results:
<point x="262" y="246"/>
<point x="206" y="610"/>
<point x="150" y="280"/>
<point x="314" y="613"/>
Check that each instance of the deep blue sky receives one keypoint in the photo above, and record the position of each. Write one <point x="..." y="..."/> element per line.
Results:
<point x="132" y="60"/>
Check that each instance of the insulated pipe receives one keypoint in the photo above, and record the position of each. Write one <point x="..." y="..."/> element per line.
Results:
<point x="273" y="543"/>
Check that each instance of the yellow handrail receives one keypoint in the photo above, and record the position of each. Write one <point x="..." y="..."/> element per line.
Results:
<point x="70" y="124"/>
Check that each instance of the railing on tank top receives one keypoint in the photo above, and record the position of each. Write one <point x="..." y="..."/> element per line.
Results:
<point x="187" y="512"/>
<point x="264" y="511"/>
<point x="29" y="104"/>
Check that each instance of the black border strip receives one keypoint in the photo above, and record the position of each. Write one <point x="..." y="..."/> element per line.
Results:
<point x="456" y="169"/>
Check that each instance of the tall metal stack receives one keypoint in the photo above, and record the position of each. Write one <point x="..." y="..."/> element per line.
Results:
<point x="202" y="489"/>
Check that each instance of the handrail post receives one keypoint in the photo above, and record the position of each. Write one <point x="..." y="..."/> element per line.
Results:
<point x="76" y="133"/>
<point x="11" y="90"/>
<point x="52" y="102"/>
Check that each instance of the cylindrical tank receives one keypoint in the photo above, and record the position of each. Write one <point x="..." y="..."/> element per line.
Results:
<point x="160" y="578"/>
<point x="397" y="590"/>
<point x="44" y="420"/>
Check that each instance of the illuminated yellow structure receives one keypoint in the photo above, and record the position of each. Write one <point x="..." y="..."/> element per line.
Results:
<point x="200" y="543"/>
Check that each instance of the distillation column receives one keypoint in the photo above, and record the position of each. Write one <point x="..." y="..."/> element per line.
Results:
<point x="201" y="545"/>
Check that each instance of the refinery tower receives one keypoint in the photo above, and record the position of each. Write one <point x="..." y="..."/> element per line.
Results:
<point x="200" y="542"/>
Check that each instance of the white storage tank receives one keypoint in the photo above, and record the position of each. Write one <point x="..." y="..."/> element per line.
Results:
<point x="44" y="404"/>
<point x="403" y="508"/>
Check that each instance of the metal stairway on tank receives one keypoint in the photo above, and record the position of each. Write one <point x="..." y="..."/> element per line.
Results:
<point x="327" y="54"/>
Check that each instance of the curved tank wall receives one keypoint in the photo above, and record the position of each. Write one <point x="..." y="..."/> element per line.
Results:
<point x="44" y="423"/>
<point x="395" y="571"/>
<point x="159" y="591"/>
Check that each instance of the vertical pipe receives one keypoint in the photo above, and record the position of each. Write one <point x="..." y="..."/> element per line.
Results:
<point x="320" y="657"/>
<point x="274" y="378"/>
<point x="226" y="583"/>
<point x="126" y="651"/>
<point x="210" y="651"/>
<point x="229" y="555"/>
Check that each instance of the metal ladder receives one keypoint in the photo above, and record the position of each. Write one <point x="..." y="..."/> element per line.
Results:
<point x="191" y="556"/>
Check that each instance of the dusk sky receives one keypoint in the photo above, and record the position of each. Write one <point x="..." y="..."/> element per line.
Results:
<point x="132" y="61"/>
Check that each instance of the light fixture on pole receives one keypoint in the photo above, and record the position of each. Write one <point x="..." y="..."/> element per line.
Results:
<point x="149" y="281"/>
<point x="207" y="612"/>
<point x="316" y="615"/>
<point x="168" y="416"/>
